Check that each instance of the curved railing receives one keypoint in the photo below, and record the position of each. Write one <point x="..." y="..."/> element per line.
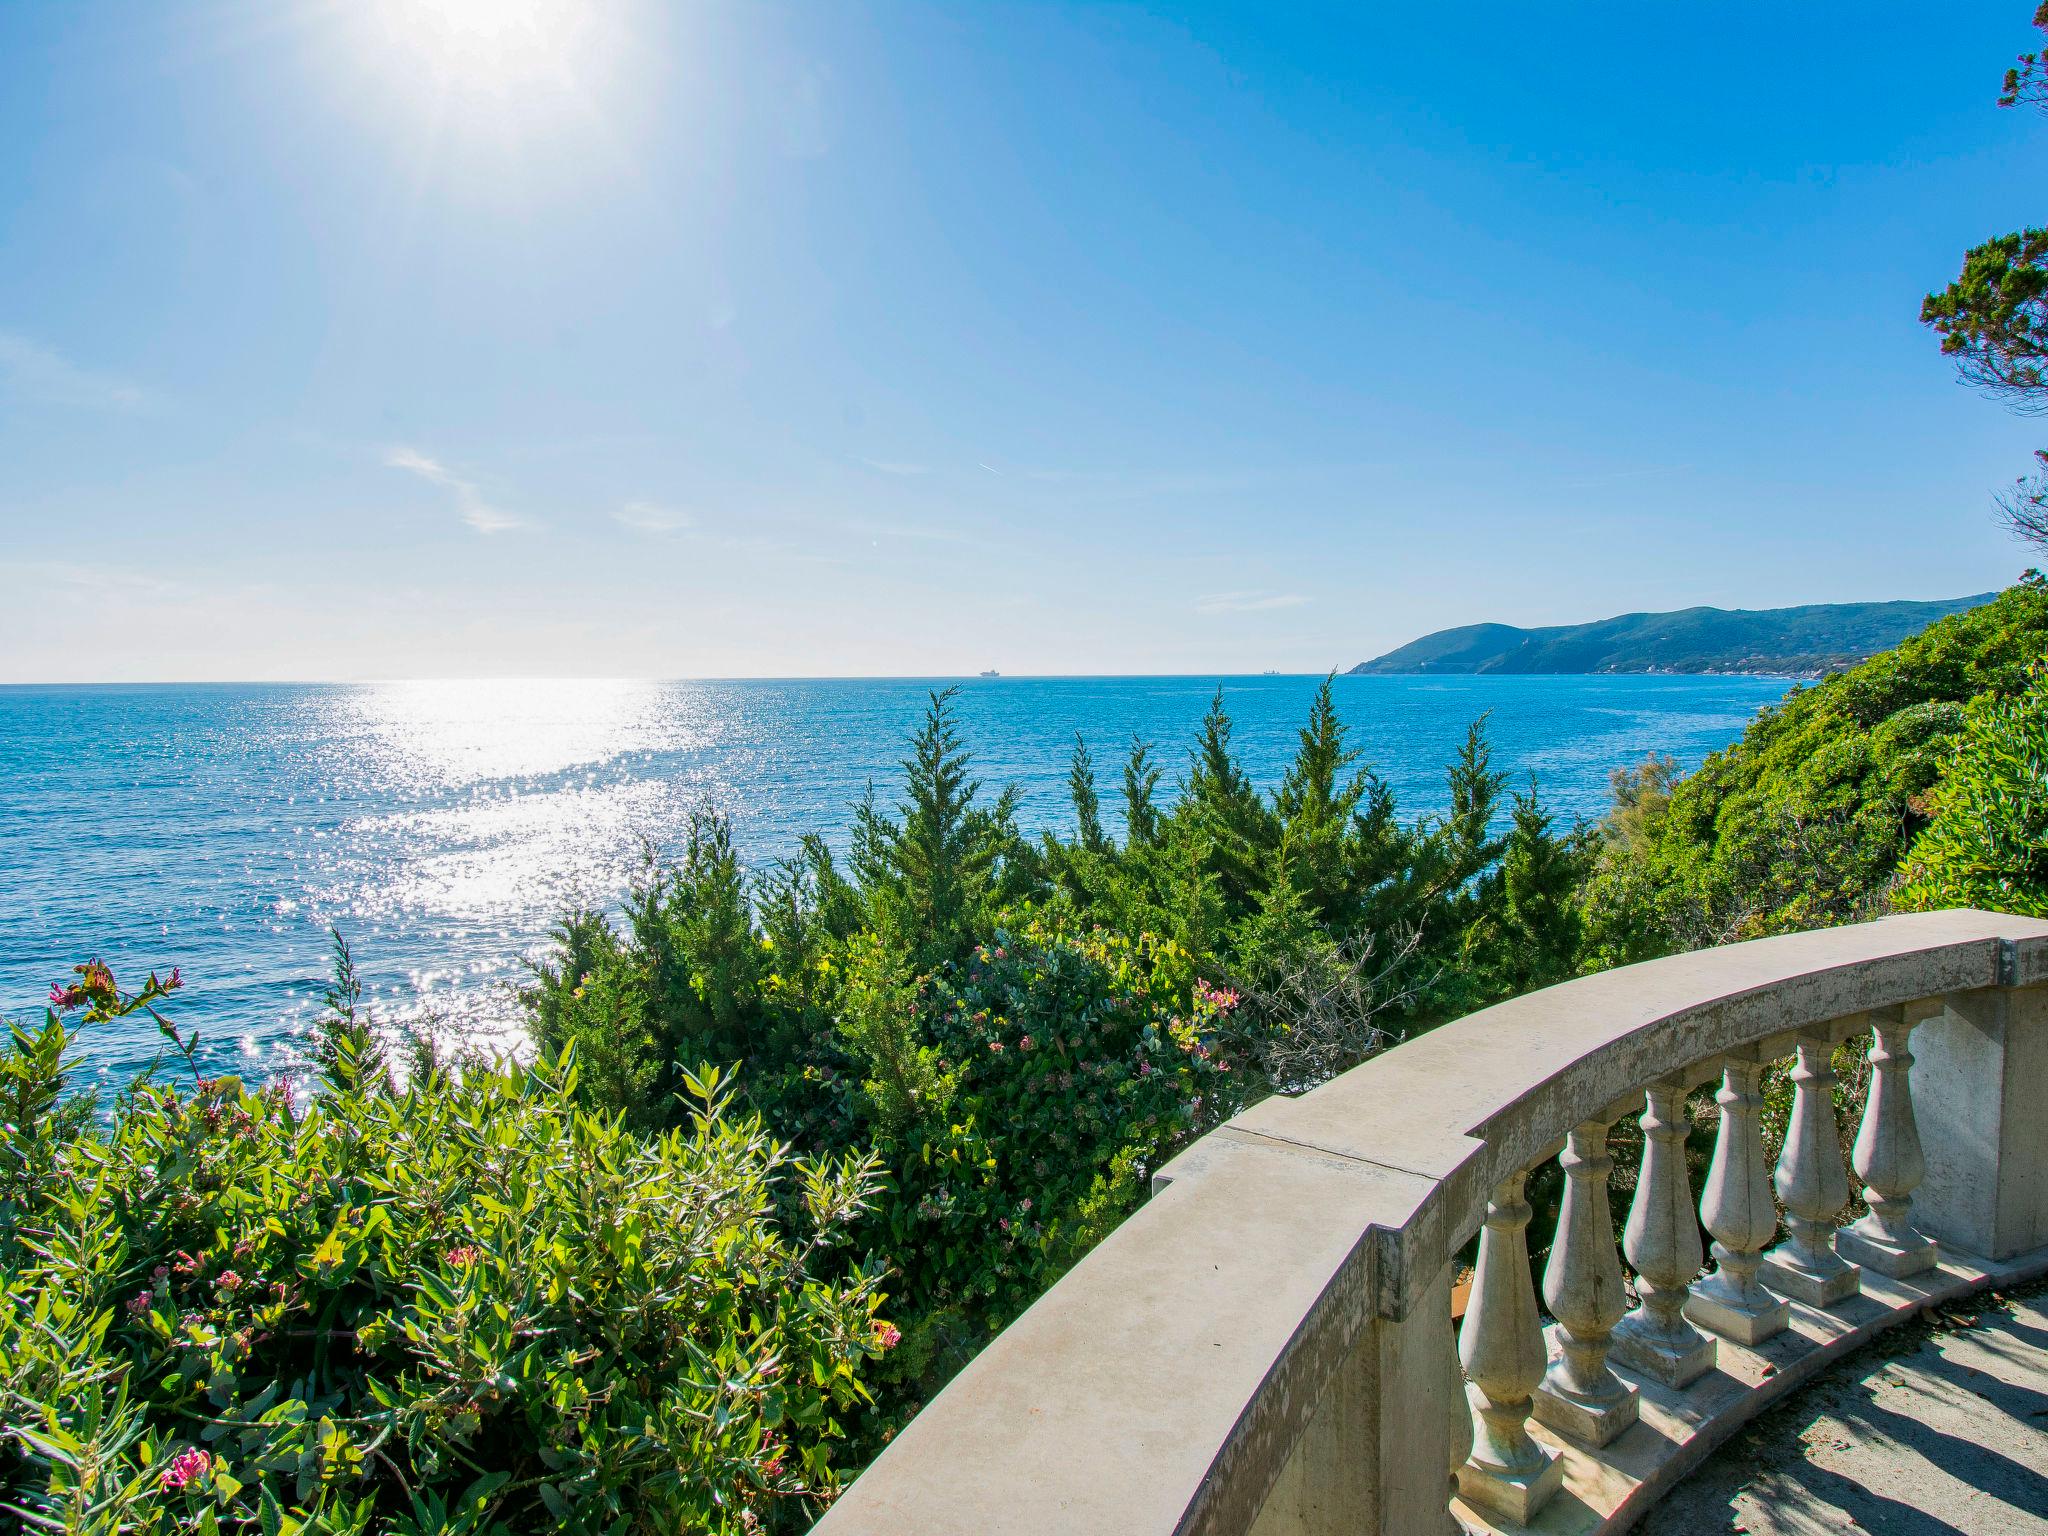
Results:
<point x="1267" y="1346"/>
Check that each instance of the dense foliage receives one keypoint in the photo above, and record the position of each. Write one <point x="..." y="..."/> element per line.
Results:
<point x="461" y="1305"/>
<point x="1024" y="1028"/>
<point x="1987" y="842"/>
<point x="1805" y="820"/>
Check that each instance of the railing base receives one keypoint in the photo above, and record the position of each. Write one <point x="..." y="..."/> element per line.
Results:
<point x="1671" y="1361"/>
<point x="1588" y="1420"/>
<point x="1513" y="1497"/>
<point x="1873" y="1250"/>
<point x="1607" y="1491"/>
<point x="1784" y="1273"/>
<point x="1744" y="1323"/>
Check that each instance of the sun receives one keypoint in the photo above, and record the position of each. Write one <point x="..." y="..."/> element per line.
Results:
<point x="464" y="55"/>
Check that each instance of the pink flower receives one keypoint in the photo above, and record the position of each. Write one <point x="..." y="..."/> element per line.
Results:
<point x="175" y="982"/>
<point x="138" y="1304"/>
<point x="888" y="1335"/>
<point x="461" y="1254"/>
<point x="186" y="1467"/>
<point x="229" y="1280"/>
<point x="1025" y="1042"/>
<point x="161" y="1272"/>
<point x="996" y="1047"/>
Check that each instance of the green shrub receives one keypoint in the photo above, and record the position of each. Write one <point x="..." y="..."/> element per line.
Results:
<point x="1054" y="1055"/>
<point x="1987" y="843"/>
<point x="460" y="1305"/>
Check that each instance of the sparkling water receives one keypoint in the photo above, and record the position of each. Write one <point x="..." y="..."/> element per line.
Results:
<point x="442" y="825"/>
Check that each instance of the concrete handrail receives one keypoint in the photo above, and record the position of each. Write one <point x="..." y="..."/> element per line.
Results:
<point x="1266" y="1342"/>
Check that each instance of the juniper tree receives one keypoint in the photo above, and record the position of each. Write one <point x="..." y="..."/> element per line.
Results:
<point x="930" y="874"/>
<point x="1141" y="780"/>
<point x="1220" y="801"/>
<point x="1317" y="804"/>
<point x="1087" y="805"/>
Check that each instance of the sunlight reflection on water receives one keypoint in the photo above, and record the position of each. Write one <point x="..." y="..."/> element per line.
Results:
<point x="442" y="825"/>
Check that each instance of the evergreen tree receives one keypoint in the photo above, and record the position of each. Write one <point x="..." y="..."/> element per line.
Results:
<point x="931" y="851"/>
<point x="1087" y="806"/>
<point x="1475" y="796"/>
<point x="1141" y="781"/>
<point x="1532" y="932"/>
<point x="932" y="873"/>
<point x="1317" y="804"/>
<point x="1222" y="804"/>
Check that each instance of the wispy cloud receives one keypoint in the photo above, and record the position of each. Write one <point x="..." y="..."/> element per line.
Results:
<point x="651" y="517"/>
<point x="32" y="371"/>
<point x="469" y="501"/>
<point x="102" y="580"/>
<point x="1255" y="601"/>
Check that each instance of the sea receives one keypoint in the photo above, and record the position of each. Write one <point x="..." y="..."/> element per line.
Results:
<point x="441" y="827"/>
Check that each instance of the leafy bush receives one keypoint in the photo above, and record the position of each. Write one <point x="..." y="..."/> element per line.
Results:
<point x="460" y="1305"/>
<point x="1987" y="844"/>
<point x="1057" y="1057"/>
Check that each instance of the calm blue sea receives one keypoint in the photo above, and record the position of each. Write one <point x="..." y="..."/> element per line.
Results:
<point x="441" y="825"/>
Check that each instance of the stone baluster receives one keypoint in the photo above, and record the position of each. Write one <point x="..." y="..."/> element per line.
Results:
<point x="1508" y="1474"/>
<point x="1580" y="1395"/>
<point x="1662" y="1241"/>
<point x="1814" y="1186"/>
<point x="1887" y="1159"/>
<point x="1738" y="1209"/>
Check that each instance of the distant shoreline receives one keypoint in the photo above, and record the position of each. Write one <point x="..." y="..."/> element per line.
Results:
<point x="1799" y="643"/>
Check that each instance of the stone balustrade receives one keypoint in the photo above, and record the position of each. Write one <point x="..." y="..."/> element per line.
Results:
<point x="1267" y="1346"/>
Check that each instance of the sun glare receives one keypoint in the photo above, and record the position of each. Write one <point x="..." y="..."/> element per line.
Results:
<point x="521" y="65"/>
<point x="490" y="46"/>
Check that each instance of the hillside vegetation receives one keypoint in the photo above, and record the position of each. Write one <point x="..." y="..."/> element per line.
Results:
<point x="1795" y="642"/>
<point x="1805" y="820"/>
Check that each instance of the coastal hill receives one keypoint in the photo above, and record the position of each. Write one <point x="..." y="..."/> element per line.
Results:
<point x="1793" y="642"/>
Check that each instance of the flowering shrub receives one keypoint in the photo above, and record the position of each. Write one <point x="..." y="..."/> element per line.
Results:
<point x="463" y="1305"/>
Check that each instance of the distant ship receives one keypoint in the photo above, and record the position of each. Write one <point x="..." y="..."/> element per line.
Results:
<point x="991" y="672"/>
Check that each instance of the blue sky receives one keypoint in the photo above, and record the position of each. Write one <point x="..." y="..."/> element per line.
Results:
<point x="396" y="338"/>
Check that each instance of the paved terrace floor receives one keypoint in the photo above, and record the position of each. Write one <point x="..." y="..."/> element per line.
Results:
<point x="1938" y="1429"/>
